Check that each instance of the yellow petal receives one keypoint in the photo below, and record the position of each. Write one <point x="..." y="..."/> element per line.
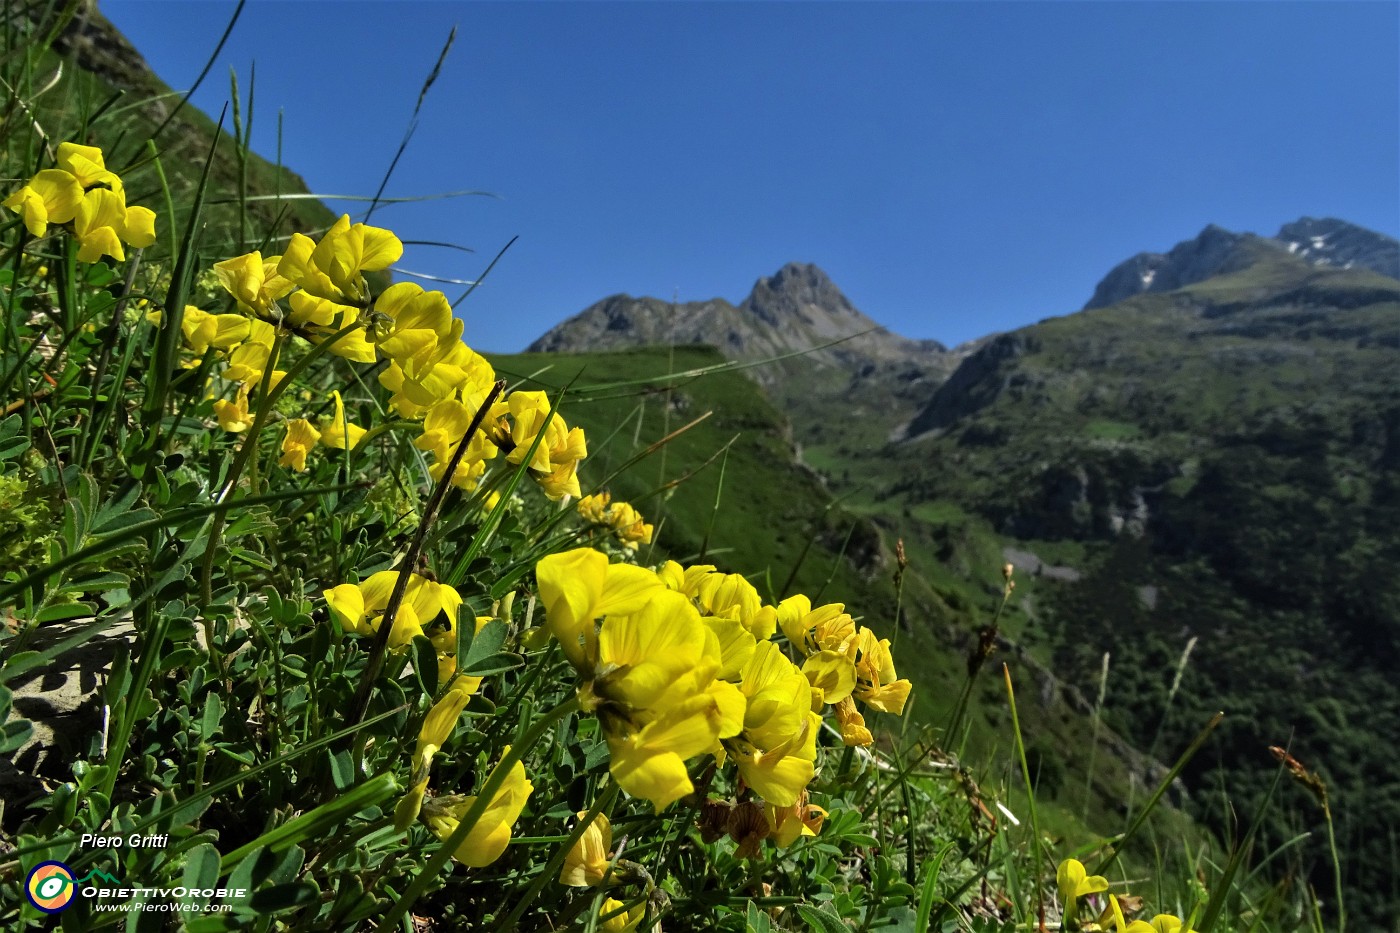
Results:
<point x="140" y="227"/>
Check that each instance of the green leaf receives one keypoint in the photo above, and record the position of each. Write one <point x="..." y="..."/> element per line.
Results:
<point x="14" y="734"/>
<point x="213" y="715"/>
<point x="11" y="447"/>
<point x="201" y="870"/>
<point x="425" y="664"/>
<point x="486" y="643"/>
<point x="62" y="611"/>
<point x="19" y="663"/>
<point x="821" y="921"/>
<point x="929" y="891"/>
<point x="493" y="664"/>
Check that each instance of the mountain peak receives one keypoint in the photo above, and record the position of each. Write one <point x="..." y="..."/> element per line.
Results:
<point x="798" y="290"/>
<point x="797" y="310"/>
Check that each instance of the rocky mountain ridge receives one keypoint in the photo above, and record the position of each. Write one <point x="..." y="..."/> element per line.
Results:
<point x="797" y="309"/>
<point x="1215" y="251"/>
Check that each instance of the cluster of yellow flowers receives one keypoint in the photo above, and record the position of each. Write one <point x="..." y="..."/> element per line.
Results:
<point x="618" y="517"/>
<point x="676" y="663"/>
<point x="360" y="608"/>
<point x="1075" y="882"/>
<point x="680" y="662"/>
<point x="317" y="290"/>
<point x="82" y="194"/>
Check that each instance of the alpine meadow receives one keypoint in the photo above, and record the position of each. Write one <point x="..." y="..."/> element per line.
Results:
<point x="694" y="616"/>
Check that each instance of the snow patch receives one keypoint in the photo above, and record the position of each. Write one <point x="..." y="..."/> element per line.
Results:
<point x="1147" y="277"/>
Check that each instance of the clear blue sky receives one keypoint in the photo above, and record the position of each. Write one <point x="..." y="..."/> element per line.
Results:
<point x="957" y="168"/>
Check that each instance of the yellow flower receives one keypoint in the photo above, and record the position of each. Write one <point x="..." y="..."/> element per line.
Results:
<point x="359" y="607"/>
<point x="736" y="645"/>
<point x="779" y="774"/>
<point x="851" y="724"/>
<point x="832" y="673"/>
<point x="877" y="686"/>
<point x="811" y="630"/>
<point x="779" y="699"/>
<point x="643" y="655"/>
<point x="140" y="227"/>
<point x="624" y="520"/>
<point x="301" y="437"/>
<point x="443" y="428"/>
<point x="619" y="920"/>
<point x="1166" y="923"/>
<point x="97" y="224"/>
<point x="586" y="863"/>
<point x="437" y="728"/>
<point x="51" y="197"/>
<point x="334" y="267"/>
<point x="684" y="579"/>
<point x="630" y="527"/>
<point x="777" y="751"/>
<point x="410" y="323"/>
<point x="234" y="416"/>
<point x="561" y="480"/>
<point x="253" y="282"/>
<point x="337" y="432"/>
<point x="531" y="418"/>
<point x="577" y="587"/>
<point x="649" y="669"/>
<point x="1075" y="882"/>
<point x="732" y="596"/>
<point x="203" y="330"/>
<point x="594" y="508"/>
<point x="87" y="165"/>
<point x="788" y="824"/>
<point x="442" y="718"/>
<point x="247" y="361"/>
<point x="650" y="762"/>
<point x="486" y="840"/>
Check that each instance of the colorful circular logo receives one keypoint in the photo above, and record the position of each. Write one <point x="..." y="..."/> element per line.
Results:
<point x="50" y="886"/>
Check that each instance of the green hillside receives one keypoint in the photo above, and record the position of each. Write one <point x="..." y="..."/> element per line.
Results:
<point x="1214" y="467"/>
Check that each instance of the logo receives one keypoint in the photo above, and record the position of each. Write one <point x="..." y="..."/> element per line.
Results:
<point x="50" y="886"/>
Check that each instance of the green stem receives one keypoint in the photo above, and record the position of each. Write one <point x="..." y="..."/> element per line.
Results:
<point x="1336" y="866"/>
<point x="1030" y="790"/>
<point x="485" y="795"/>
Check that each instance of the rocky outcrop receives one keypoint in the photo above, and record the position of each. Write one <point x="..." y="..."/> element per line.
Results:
<point x="1332" y="242"/>
<point x="974" y="385"/>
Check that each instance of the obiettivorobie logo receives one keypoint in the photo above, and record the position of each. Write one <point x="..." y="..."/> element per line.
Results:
<point x="51" y="885"/>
